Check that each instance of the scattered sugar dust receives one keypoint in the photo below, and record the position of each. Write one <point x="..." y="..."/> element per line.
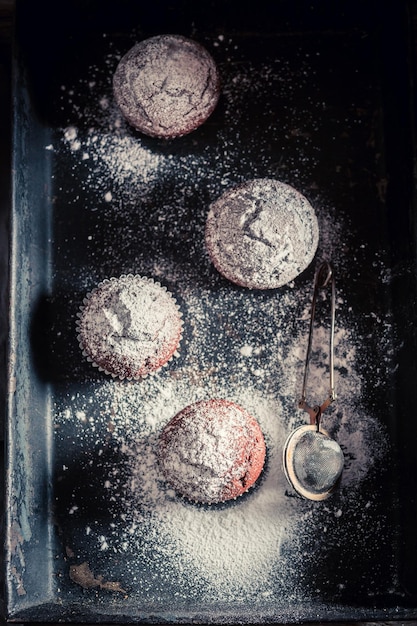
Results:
<point x="245" y="346"/>
<point x="236" y="549"/>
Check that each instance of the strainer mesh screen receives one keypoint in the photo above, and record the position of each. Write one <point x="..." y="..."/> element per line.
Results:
<point x="317" y="462"/>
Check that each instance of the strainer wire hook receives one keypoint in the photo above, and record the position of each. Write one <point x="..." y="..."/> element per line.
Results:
<point x="324" y="278"/>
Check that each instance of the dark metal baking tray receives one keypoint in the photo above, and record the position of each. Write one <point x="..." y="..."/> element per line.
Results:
<point x="319" y="95"/>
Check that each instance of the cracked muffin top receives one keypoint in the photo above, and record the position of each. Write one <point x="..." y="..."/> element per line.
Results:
<point x="166" y="86"/>
<point x="261" y="234"/>
<point x="211" y="451"/>
<point x="129" y="326"/>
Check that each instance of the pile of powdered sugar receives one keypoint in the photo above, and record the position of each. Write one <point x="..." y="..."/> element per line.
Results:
<point x="244" y="346"/>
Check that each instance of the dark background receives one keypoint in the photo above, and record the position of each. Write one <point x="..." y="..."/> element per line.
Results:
<point x="6" y="30"/>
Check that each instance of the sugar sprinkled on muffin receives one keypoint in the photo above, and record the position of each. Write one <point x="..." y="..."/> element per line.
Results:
<point x="261" y="234"/>
<point x="166" y="86"/>
<point x="129" y="326"/>
<point x="212" y="451"/>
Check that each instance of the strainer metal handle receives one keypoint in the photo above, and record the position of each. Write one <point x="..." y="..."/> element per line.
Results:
<point x="324" y="277"/>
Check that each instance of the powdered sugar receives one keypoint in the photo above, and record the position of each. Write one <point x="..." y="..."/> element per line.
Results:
<point x="262" y="234"/>
<point x="245" y="541"/>
<point x="166" y="86"/>
<point x="266" y="548"/>
<point x="129" y="326"/>
<point x="212" y="451"/>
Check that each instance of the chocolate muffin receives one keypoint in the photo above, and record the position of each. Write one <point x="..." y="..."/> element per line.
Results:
<point x="129" y="327"/>
<point x="212" y="451"/>
<point x="166" y="86"/>
<point x="261" y="234"/>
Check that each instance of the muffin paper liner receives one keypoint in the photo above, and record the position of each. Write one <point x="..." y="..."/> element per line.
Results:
<point x="125" y="278"/>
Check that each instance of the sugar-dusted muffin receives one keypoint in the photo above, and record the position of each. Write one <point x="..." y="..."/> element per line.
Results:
<point x="211" y="451"/>
<point x="261" y="234"/>
<point x="166" y="86"/>
<point x="129" y="326"/>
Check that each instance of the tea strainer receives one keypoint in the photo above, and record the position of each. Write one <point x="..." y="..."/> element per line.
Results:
<point x="313" y="461"/>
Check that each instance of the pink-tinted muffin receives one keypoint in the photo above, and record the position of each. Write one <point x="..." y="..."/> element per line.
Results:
<point x="129" y="327"/>
<point x="166" y="86"/>
<point x="261" y="234"/>
<point x="212" y="451"/>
